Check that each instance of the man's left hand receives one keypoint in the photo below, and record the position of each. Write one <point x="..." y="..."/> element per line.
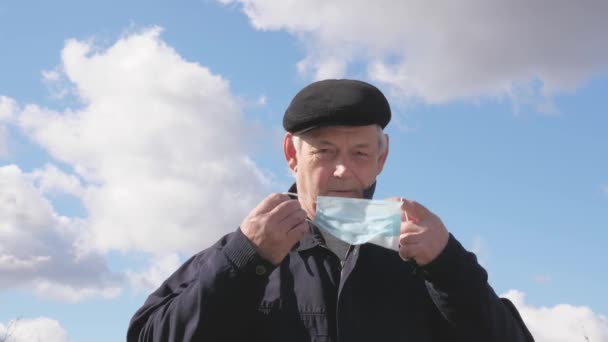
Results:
<point x="423" y="236"/>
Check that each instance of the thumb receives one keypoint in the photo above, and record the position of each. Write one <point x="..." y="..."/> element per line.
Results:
<point x="415" y="211"/>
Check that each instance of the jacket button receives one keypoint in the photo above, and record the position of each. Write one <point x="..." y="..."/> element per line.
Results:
<point x="260" y="270"/>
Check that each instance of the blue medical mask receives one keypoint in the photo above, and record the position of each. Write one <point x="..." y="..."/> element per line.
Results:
<point x="357" y="221"/>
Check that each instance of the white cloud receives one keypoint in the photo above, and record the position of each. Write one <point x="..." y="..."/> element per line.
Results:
<point x="151" y="278"/>
<point x="518" y="49"/>
<point x="37" y="250"/>
<point x="12" y="262"/>
<point x="56" y="84"/>
<point x="562" y="322"/>
<point x="8" y="107"/>
<point x="50" y="75"/>
<point x="158" y="147"/>
<point x="51" y="179"/>
<point x="3" y="141"/>
<point x="71" y="293"/>
<point x="32" y="330"/>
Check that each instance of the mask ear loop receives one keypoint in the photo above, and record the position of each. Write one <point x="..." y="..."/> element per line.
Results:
<point x="402" y="200"/>
<point x="290" y="194"/>
<point x="293" y="194"/>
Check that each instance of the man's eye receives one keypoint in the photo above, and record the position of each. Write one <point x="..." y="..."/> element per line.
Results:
<point x="361" y="153"/>
<point x="322" y="151"/>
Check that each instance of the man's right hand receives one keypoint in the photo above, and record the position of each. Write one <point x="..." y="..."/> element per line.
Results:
<point x="274" y="226"/>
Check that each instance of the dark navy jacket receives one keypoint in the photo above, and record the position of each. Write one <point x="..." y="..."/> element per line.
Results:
<point x="228" y="293"/>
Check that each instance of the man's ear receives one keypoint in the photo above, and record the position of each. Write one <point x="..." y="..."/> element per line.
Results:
<point x="383" y="155"/>
<point x="289" y="149"/>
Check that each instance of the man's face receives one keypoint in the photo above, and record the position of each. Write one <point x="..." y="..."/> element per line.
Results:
<point x="335" y="161"/>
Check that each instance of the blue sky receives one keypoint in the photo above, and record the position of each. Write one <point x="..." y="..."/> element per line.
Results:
<point x="134" y="134"/>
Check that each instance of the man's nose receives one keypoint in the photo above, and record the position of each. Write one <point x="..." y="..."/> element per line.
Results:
<point x="342" y="169"/>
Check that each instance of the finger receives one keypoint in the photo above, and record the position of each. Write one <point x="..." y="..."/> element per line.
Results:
<point x="403" y="253"/>
<point x="409" y="251"/>
<point x="297" y="233"/>
<point x="410" y="238"/>
<point x="270" y="202"/>
<point x="284" y="210"/>
<point x="293" y="220"/>
<point x="415" y="210"/>
<point x="410" y="227"/>
<point x="404" y="216"/>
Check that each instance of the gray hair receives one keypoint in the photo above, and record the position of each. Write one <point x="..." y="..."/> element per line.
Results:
<point x="382" y="140"/>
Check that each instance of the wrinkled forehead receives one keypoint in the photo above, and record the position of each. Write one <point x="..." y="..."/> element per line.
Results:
<point x="352" y="135"/>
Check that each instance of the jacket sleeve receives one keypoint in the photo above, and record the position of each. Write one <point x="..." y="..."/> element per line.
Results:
<point x="212" y="297"/>
<point x="459" y="287"/>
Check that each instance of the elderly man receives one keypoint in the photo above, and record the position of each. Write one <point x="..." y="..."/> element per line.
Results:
<point x="281" y="276"/>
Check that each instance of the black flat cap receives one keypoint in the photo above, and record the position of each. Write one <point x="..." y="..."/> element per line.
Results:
<point x="336" y="103"/>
